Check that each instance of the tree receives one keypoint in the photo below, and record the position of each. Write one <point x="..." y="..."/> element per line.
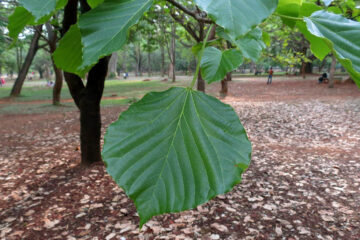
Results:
<point x="33" y="48"/>
<point x="174" y="150"/>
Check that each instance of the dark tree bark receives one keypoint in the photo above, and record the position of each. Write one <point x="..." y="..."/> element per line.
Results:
<point x="138" y="59"/>
<point x="306" y="68"/>
<point x="225" y="85"/>
<point x="113" y="63"/>
<point x="171" y="52"/>
<point x="52" y="40"/>
<point x="149" y="64"/>
<point x="224" y="88"/>
<point x="162" y="60"/>
<point x="41" y="73"/>
<point x="34" y="46"/>
<point x="200" y="83"/>
<point x="19" y="55"/>
<point x="332" y="72"/>
<point x="90" y="117"/>
<point x="87" y="98"/>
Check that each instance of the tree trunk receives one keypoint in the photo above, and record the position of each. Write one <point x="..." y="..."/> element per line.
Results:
<point x="41" y="73"/>
<point x="34" y="46"/>
<point x="149" y="64"/>
<point x="19" y="61"/>
<point x="138" y="71"/>
<point x="224" y="88"/>
<point x="52" y="39"/>
<point x="90" y="117"/>
<point x="173" y="53"/>
<point x="47" y="72"/>
<point x="58" y="85"/>
<point x="306" y="68"/>
<point x="88" y="98"/>
<point x="332" y="72"/>
<point x="229" y="77"/>
<point x="113" y="63"/>
<point x="200" y="80"/>
<point x="200" y="83"/>
<point x="162" y="60"/>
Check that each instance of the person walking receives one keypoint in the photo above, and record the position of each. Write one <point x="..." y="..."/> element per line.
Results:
<point x="271" y="72"/>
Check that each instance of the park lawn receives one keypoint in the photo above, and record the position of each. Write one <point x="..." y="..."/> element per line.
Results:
<point x="36" y="98"/>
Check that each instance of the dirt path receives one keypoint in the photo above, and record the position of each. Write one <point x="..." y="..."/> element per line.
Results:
<point x="303" y="183"/>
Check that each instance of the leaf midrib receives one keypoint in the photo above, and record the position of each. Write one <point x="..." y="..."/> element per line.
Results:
<point x="171" y="144"/>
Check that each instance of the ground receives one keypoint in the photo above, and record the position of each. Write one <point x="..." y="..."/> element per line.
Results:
<point x="303" y="182"/>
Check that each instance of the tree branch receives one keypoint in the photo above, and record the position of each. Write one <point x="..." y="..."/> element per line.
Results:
<point x="195" y="15"/>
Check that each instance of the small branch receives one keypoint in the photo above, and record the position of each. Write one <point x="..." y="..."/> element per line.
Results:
<point x="178" y="38"/>
<point x="189" y="12"/>
<point x="187" y="27"/>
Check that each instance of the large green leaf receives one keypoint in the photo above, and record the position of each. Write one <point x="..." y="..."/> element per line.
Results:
<point x="39" y="8"/>
<point x="175" y="150"/>
<point x="215" y="64"/>
<point x="251" y="45"/>
<point x="18" y="20"/>
<point x="341" y="35"/>
<point x="104" y="28"/>
<point x="318" y="45"/>
<point x="238" y="16"/>
<point x="68" y="56"/>
<point x="23" y="17"/>
<point x="289" y="8"/>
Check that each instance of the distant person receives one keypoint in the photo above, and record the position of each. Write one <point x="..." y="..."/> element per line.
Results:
<point x="125" y="75"/>
<point x="271" y="72"/>
<point x="2" y="82"/>
<point x="324" y="78"/>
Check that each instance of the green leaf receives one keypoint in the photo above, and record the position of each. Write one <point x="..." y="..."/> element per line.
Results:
<point x="23" y="17"/>
<point x="101" y="31"/>
<point x="94" y="3"/>
<point x="39" y="8"/>
<point x="104" y="28"/>
<point x="68" y="55"/>
<point x="341" y="35"/>
<point x="289" y="8"/>
<point x="215" y="64"/>
<point x="238" y="17"/>
<point x="308" y="8"/>
<point x="318" y="46"/>
<point x="18" y="20"/>
<point x="184" y="148"/>
<point x="251" y="45"/>
<point x="266" y="39"/>
<point x="61" y="4"/>
<point x="198" y="47"/>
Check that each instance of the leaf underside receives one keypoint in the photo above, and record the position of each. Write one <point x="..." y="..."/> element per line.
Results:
<point x="175" y="150"/>
<point x="238" y="17"/>
<point x="341" y="36"/>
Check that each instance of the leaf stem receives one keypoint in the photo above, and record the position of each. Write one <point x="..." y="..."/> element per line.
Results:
<point x="200" y="57"/>
<point x="288" y="17"/>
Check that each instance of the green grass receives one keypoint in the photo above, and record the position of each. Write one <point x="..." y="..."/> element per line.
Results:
<point x="122" y="92"/>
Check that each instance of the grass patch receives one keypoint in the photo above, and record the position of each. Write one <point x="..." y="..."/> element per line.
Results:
<point x="122" y="93"/>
